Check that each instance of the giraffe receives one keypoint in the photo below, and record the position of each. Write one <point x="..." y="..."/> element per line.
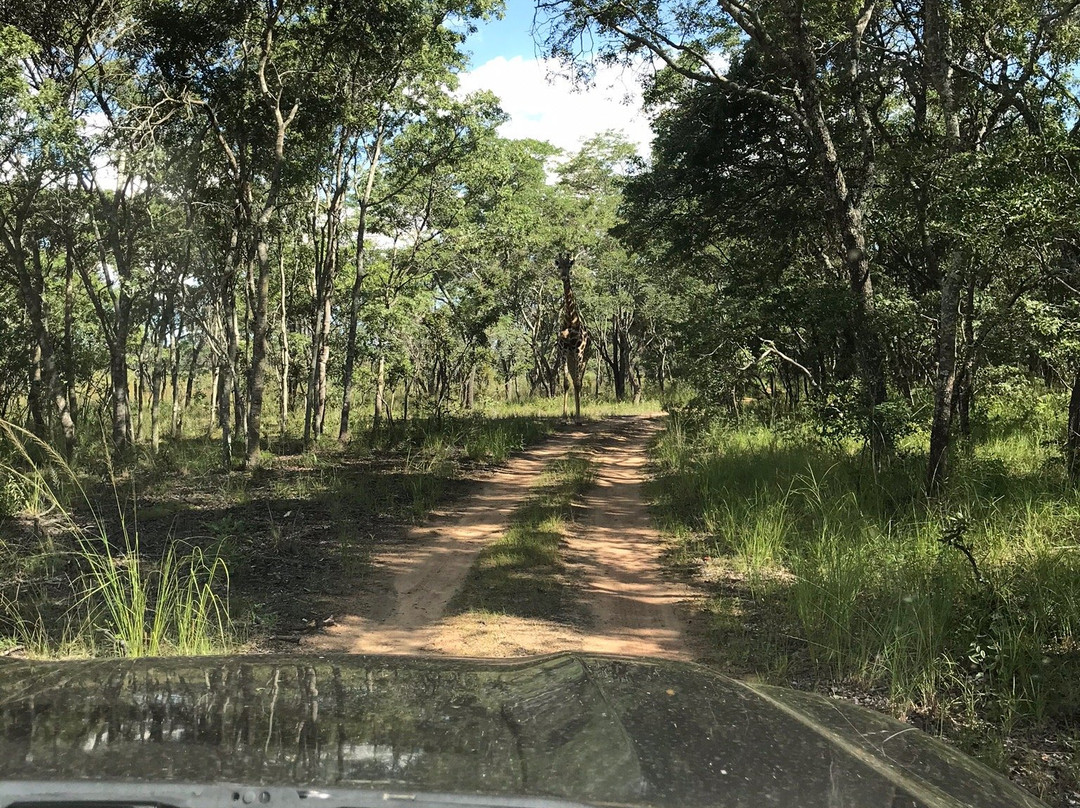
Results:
<point x="574" y="340"/>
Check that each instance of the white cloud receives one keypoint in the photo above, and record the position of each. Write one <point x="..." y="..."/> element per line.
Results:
<point x="545" y="105"/>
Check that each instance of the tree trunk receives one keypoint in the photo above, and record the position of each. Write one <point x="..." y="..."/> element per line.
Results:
<point x="193" y="369"/>
<point x="118" y="370"/>
<point x="253" y="222"/>
<point x="259" y="348"/>
<point x="121" y="408"/>
<point x="69" y="333"/>
<point x="44" y="376"/>
<point x="939" y="69"/>
<point x="848" y="220"/>
<point x="239" y="383"/>
<point x="159" y="367"/>
<point x="215" y="384"/>
<point x="156" y="386"/>
<point x="1072" y="445"/>
<point x="284" y="351"/>
<point x="35" y="410"/>
<point x="140" y="386"/>
<point x="380" y="389"/>
<point x="225" y="384"/>
<point x="319" y="329"/>
<point x="470" y="388"/>
<point x="177" y="360"/>
<point x="295" y="390"/>
<point x="967" y="373"/>
<point x="321" y="387"/>
<point x="636" y="384"/>
<point x="351" y="348"/>
<point x="178" y="428"/>
<point x="964" y="399"/>
<point x="227" y="371"/>
<point x="945" y="381"/>
<point x="618" y="361"/>
<point x="325" y="270"/>
<point x="311" y="403"/>
<point x="318" y="287"/>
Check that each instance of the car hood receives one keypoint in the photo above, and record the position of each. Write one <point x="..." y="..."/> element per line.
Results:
<point x="584" y="728"/>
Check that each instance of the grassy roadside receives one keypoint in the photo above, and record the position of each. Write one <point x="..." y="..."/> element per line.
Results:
<point x="173" y="556"/>
<point x="825" y="575"/>
<point x="522" y="573"/>
<point x="91" y="590"/>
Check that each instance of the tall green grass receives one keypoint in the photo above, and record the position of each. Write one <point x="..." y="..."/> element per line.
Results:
<point x="140" y="609"/>
<point x="122" y="602"/>
<point x="856" y="567"/>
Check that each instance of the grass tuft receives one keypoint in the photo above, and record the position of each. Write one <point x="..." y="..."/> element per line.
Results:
<point x="123" y="603"/>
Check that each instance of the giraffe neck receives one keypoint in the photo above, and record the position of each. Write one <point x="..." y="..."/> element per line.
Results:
<point x="570" y="315"/>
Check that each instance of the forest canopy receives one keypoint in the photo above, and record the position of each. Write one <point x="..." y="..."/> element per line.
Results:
<point x="259" y="213"/>
<point x="877" y="200"/>
<point x="272" y="216"/>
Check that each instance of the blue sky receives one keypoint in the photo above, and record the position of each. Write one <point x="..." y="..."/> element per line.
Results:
<point x="543" y="103"/>
<point x="507" y="37"/>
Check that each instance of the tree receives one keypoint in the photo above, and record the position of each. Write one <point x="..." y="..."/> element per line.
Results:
<point x="37" y="137"/>
<point x="592" y="180"/>
<point x="811" y="76"/>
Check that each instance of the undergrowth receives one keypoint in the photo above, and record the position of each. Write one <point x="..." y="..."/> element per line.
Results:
<point x="475" y="438"/>
<point x="140" y="558"/>
<point x="118" y="601"/>
<point x="962" y="610"/>
<point x="591" y="408"/>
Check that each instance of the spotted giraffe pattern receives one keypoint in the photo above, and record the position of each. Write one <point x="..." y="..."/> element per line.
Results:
<point x="573" y="339"/>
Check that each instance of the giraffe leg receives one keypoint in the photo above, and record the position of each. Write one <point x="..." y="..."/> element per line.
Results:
<point x="577" y="375"/>
<point x="565" y="391"/>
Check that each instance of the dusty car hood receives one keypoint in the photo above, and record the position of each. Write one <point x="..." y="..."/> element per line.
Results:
<point x="583" y="728"/>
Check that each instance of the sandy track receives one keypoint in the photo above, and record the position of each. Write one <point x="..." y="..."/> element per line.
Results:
<point x="618" y="552"/>
<point x="613" y="550"/>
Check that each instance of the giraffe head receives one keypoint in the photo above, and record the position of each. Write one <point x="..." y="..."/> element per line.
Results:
<point x="564" y="262"/>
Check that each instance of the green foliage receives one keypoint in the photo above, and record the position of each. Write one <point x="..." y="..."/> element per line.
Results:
<point x="841" y="416"/>
<point x="479" y="438"/>
<point x="173" y="608"/>
<point x="967" y="607"/>
<point x="944" y="178"/>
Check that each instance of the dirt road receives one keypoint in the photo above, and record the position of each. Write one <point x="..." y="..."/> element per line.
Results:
<point x="613" y="551"/>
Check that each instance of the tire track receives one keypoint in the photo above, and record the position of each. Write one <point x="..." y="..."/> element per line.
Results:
<point x="612" y="548"/>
